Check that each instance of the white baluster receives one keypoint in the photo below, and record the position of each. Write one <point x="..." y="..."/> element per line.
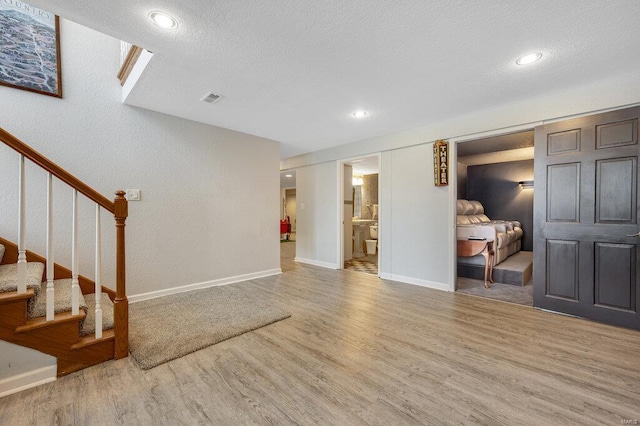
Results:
<point x="50" y="260"/>
<point x="98" y="274"/>
<point x="22" y="250"/>
<point x="75" y="283"/>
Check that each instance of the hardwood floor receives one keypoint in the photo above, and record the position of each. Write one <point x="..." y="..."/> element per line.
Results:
<point x="359" y="350"/>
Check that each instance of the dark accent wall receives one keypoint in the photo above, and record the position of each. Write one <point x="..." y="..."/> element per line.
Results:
<point x="496" y="187"/>
<point x="462" y="181"/>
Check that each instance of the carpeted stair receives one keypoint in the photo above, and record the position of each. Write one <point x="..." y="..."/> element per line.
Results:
<point x="9" y="276"/>
<point x="62" y="299"/>
<point x="89" y="324"/>
<point x="37" y="305"/>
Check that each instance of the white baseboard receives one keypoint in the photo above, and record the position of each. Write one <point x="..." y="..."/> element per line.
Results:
<point x="28" y="380"/>
<point x="415" y="281"/>
<point x="316" y="263"/>
<point x="206" y="284"/>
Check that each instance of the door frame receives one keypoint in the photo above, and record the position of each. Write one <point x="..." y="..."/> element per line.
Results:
<point x="340" y="212"/>
<point x="453" y="179"/>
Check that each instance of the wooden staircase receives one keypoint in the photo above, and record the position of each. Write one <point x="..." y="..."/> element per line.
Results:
<point x="61" y="334"/>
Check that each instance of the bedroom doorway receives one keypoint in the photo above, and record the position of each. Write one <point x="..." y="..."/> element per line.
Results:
<point x="495" y="186"/>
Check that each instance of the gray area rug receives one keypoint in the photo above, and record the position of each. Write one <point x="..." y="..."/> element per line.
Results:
<point x="521" y="295"/>
<point x="173" y="326"/>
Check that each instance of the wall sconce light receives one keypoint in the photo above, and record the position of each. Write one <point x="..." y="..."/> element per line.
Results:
<point x="526" y="184"/>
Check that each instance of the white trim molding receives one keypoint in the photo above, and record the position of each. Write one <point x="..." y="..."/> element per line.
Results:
<point x="213" y="283"/>
<point x="316" y="263"/>
<point x="135" y="74"/>
<point x="416" y="281"/>
<point x="28" y="380"/>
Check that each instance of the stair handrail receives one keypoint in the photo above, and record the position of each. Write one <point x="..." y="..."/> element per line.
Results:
<point x="57" y="171"/>
<point x="119" y="209"/>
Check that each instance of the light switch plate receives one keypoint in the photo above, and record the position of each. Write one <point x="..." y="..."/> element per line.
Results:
<point x="133" y="195"/>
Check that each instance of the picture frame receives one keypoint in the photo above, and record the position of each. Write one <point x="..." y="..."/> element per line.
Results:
<point x="30" y="49"/>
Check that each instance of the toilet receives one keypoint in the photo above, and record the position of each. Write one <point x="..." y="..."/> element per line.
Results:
<point x="373" y="242"/>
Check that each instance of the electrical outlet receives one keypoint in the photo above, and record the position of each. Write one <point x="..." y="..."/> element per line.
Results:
<point x="133" y="194"/>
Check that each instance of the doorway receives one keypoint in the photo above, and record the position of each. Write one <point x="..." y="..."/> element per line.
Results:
<point x="288" y="219"/>
<point x="359" y="214"/>
<point x="495" y="202"/>
<point x="288" y="208"/>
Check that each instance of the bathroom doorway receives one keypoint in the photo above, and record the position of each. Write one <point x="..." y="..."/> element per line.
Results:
<point x="359" y="214"/>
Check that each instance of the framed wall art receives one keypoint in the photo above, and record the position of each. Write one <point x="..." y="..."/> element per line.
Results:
<point x="29" y="48"/>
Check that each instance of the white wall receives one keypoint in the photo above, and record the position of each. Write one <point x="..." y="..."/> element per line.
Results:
<point x="615" y="92"/>
<point x="22" y="368"/>
<point x="209" y="208"/>
<point x="316" y="197"/>
<point x="417" y="220"/>
<point x="30" y="359"/>
<point x="283" y="202"/>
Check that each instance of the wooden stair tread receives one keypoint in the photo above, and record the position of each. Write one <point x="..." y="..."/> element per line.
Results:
<point x="91" y="340"/>
<point x="41" y="322"/>
<point x="11" y="296"/>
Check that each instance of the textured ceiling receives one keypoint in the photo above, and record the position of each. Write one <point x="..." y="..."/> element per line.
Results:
<point x="294" y="71"/>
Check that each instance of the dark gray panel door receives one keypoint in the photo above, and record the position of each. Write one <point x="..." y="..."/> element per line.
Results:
<point x="585" y="208"/>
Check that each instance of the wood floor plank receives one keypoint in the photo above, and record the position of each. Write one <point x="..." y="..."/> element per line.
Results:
<point x="359" y="350"/>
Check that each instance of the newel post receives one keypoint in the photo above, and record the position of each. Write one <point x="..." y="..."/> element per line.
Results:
<point x="121" y="304"/>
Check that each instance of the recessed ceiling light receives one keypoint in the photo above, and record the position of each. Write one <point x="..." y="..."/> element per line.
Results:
<point x="529" y="58"/>
<point x="288" y="175"/>
<point x="163" y="20"/>
<point x="360" y="114"/>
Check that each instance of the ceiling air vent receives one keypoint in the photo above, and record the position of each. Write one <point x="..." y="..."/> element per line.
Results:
<point x="210" y="98"/>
